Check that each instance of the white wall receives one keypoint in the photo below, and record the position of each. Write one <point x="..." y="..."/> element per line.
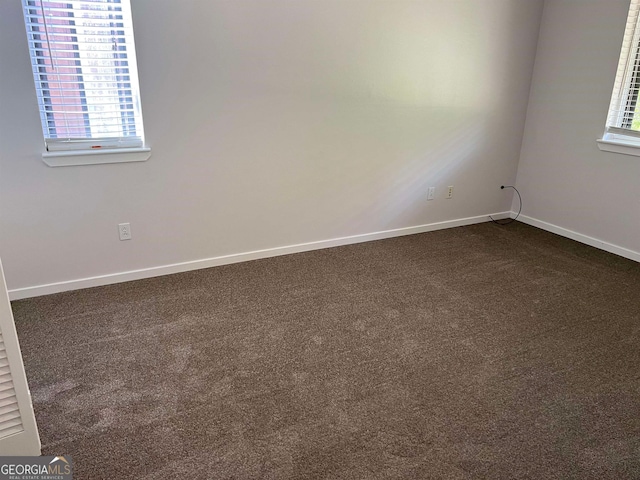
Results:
<point x="274" y="123"/>
<point x="563" y="177"/>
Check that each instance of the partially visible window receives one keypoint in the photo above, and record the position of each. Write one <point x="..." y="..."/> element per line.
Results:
<point x="85" y="73"/>
<point x="623" y="120"/>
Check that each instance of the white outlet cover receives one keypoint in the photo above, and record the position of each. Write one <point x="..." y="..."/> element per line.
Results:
<point x="124" y="229"/>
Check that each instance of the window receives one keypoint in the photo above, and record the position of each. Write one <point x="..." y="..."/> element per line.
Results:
<point x="622" y="130"/>
<point x="85" y="73"/>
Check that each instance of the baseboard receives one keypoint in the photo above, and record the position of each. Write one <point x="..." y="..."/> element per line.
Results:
<point x="579" y="237"/>
<point x="38" y="290"/>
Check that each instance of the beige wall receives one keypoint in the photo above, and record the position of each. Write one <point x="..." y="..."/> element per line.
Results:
<point x="563" y="177"/>
<point x="274" y="123"/>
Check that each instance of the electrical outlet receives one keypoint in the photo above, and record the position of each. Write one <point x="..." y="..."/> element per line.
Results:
<point x="432" y="193"/>
<point x="125" y="231"/>
<point x="449" y="192"/>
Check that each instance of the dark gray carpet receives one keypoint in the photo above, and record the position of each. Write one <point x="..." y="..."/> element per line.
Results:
<point x="480" y="352"/>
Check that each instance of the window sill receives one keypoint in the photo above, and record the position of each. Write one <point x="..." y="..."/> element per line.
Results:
<point x="619" y="146"/>
<point x="93" y="157"/>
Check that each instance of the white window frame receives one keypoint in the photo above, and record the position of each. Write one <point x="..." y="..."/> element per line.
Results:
<point x="96" y="149"/>
<point x="618" y="137"/>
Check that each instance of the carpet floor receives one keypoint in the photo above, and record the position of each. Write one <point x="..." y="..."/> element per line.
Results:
<point x="480" y="352"/>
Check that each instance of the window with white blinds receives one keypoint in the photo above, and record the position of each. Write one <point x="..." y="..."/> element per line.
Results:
<point x="85" y="73"/>
<point x="623" y="121"/>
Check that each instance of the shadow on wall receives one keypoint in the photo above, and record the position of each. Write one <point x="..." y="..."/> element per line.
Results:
<point x="443" y="160"/>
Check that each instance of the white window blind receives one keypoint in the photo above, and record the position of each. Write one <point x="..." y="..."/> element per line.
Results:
<point x="623" y="122"/>
<point x="85" y="73"/>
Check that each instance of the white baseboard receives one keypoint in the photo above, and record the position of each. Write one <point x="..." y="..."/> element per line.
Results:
<point x="579" y="237"/>
<point x="35" y="291"/>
